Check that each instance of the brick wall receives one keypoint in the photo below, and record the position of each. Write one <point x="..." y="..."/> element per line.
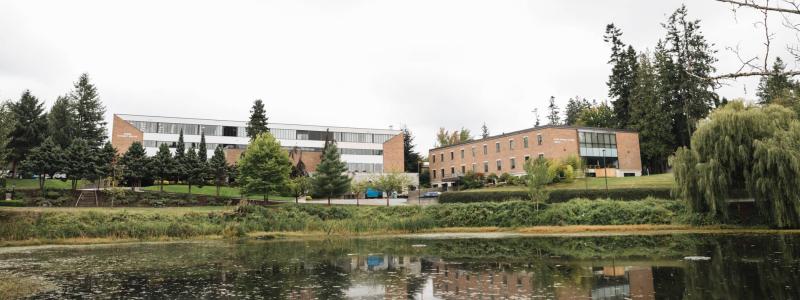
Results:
<point x="123" y="134"/>
<point x="628" y="151"/>
<point x="393" y="154"/>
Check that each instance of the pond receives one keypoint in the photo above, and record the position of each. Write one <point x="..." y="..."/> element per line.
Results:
<point x="685" y="266"/>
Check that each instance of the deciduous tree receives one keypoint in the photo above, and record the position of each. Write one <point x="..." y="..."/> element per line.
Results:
<point x="265" y="166"/>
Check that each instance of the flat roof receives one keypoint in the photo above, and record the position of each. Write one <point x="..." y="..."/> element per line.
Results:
<point x="535" y="129"/>
<point x="202" y="121"/>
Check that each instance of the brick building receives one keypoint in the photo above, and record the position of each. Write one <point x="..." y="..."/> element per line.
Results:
<point x="606" y="152"/>
<point x="363" y="150"/>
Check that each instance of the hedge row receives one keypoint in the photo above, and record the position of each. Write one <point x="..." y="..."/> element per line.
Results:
<point x="556" y="196"/>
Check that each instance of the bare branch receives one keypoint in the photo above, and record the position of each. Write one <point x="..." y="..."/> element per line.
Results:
<point x="752" y="4"/>
<point x="756" y="73"/>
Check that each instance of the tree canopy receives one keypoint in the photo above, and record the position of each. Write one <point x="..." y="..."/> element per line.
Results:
<point x="331" y="177"/>
<point x="258" y="120"/>
<point x="265" y="166"/>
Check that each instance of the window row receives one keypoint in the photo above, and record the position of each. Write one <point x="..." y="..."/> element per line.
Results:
<point x="365" y="167"/>
<point x="597" y="140"/>
<point x="512" y="164"/>
<point x="497" y="149"/>
<point x="212" y="146"/>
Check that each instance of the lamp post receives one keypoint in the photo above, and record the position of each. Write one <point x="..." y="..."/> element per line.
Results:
<point x="419" y="184"/>
<point x="605" y="171"/>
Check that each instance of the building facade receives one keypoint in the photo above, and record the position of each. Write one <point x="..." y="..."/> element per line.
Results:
<point x="363" y="150"/>
<point x="606" y="152"/>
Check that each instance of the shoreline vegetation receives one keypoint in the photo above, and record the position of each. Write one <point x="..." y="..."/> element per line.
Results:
<point x="40" y="226"/>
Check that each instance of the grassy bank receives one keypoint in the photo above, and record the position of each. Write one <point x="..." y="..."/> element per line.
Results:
<point x="652" y="181"/>
<point x="21" y="224"/>
<point x="31" y="184"/>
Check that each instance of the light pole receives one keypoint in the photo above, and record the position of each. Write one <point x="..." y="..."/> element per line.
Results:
<point x="605" y="171"/>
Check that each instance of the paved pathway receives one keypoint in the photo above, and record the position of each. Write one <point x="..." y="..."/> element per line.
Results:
<point x="372" y="202"/>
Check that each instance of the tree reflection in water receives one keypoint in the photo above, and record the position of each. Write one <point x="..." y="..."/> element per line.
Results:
<point x="618" y="267"/>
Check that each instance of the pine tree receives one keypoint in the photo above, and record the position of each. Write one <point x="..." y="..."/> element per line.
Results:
<point x="80" y="162"/>
<point x="90" y="123"/>
<point x="575" y="107"/>
<point x="106" y="158"/>
<point x="777" y="85"/>
<point x="621" y="81"/>
<point x="7" y="124"/>
<point x="44" y="160"/>
<point x="648" y="118"/>
<point x="180" y="158"/>
<point x="30" y="128"/>
<point x="410" y="157"/>
<point x="162" y="165"/>
<point x="61" y="122"/>
<point x="258" y="120"/>
<point x="202" y="150"/>
<point x="688" y="88"/>
<point x="219" y="167"/>
<point x="135" y="162"/>
<point x="195" y="169"/>
<point x="553" y="117"/>
<point x="265" y="166"/>
<point x="331" y="177"/>
<point x="484" y="131"/>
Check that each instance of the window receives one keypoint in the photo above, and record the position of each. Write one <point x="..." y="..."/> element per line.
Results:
<point x="453" y="171"/>
<point x="497" y="147"/>
<point x="539" y="139"/>
<point x="463" y="169"/>
<point x="441" y="157"/>
<point x="499" y="165"/>
<point x="473" y="151"/>
<point x="434" y="174"/>
<point x="452" y="155"/>
<point x="598" y="140"/>
<point x="474" y="168"/>
<point x="433" y="158"/>
<point x="510" y="144"/>
<point x="541" y="155"/>
<point x="441" y="172"/>
<point x="230" y="131"/>
<point x="527" y="158"/>
<point x="513" y="163"/>
<point x="462" y="153"/>
<point x="485" y="150"/>
<point x="525" y="142"/>
<point x="486" y="167"/>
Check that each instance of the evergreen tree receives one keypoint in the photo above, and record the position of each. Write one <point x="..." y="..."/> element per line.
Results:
<point x="106" y="158"/>
<point x="575" y="107"/>
<point x="219" y="167"/>
<point x="194" y="168"/>
<point x="484" y="131"/>
<point x="331" y="177"/>
<point x="44" y="160"/>
<point x="180" y="158"/>
<point x="777" y="85"/>
<point x="30" y="128"/>
<point x="61" y="122"/>
<point x="689" y="91"/>
<point x="621" y="81"/>
<point x="90" y="122"/>
<point x="553" y="117"/>
<point x="258" y="120"/>
<point x="410" y="156"/>
<point x="648" y="118"/>
<point x="265" y="166"/>
<point x="80" y="162"/>
<point x="7" y="124"/>
<point x="135" y="162"/>
<point x="162" y="165"/>
<point x="202" y="150"/>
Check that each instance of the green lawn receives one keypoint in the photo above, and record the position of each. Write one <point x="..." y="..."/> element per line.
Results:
<point x="652" y="181"/>
<point x="211" y="191"/>
<point x="30" y="184"/>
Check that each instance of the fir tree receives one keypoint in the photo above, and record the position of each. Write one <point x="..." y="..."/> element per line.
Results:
<point x="331" y="177"/>
<point x="195" y="169"/>
<point x="7" y="124"/>
<point x="162" y="165"/>
<point x="30" y="128"/>
<point x="180" y="158"/>
<point x="484" y="131"/>
<point x="44" y="160"/>
<point x="621" y="81"/>
<point x="80" y="162"/>
<point x="258" y="120"/>
<point x="553" y="116"/>
<point x="106" y="158"/>
<point x="219" y="167"/>
<point x="265" y="166"/>
<point x="90" y="122"/>
<point x="777" y="85"/>
<point x="575" y="107"/>
<point x="410" y="157"/>
<point x="61" y="122"/>
<point x="202" y="150"/>
<point x="648" y="118"/>
<point x="135" y="162"/>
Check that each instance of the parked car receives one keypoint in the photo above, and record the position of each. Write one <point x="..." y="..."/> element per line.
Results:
<point x="431" y="194"/>
<point x="373" y="193"/>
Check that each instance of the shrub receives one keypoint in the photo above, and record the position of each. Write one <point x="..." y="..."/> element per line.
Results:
<point x="609" y="212"/>
<point x="627" y="194"/>
<point x="17" y="203"/>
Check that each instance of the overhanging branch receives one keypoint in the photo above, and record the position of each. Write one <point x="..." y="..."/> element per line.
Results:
<point x="752" y="4"/>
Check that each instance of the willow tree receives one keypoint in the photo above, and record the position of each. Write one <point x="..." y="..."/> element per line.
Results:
<point x="742" y="147"/>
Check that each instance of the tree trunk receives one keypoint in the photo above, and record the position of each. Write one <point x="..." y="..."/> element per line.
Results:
<point x="41" y="184"/>
<point x="329" y="199"/>
<point x="161" y="188"/>
<point x="190" y="190"/>
<point x="218" y="187"/>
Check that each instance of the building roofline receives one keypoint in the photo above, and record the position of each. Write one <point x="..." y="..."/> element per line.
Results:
<point x="533" y="129"/>
<point x="239" y="121"/>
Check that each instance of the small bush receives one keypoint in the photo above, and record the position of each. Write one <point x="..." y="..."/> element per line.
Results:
<point x="17" y="203"/>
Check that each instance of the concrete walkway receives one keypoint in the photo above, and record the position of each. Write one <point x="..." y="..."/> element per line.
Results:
<point x="371" y="202"/>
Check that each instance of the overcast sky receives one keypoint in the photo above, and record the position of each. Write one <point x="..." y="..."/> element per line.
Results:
<point x="425" y="64"/>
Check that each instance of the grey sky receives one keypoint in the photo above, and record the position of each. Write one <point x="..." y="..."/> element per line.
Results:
<point x="427" y="64"/>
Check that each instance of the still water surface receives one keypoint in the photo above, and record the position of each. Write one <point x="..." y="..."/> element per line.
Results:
<point x="617" y="267"/>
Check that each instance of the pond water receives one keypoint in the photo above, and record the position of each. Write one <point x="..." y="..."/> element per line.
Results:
<point x="617" y="267"/>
